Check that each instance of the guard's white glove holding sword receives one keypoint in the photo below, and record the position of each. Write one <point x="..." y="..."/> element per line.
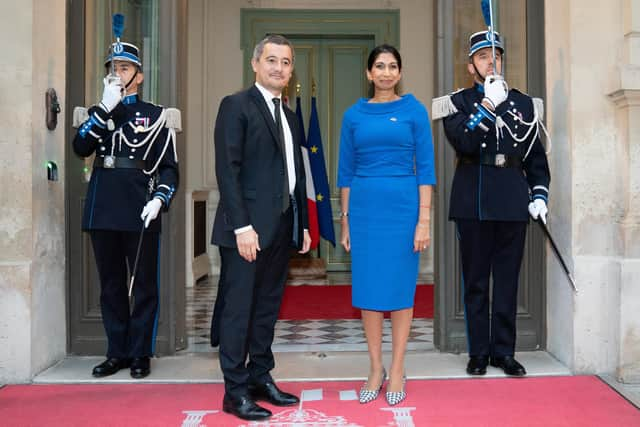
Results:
<point x="151" y="211"/>
<point x="538" y="208"/>
<point x="495" y="90"/>
<point x="112" y="93"/>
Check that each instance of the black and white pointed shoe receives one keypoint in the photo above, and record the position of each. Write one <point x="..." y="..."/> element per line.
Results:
<point x="367" y="395"/>
<point x="395" y="397"/>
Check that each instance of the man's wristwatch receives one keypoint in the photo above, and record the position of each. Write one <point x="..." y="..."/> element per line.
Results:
<point x="343" y="214"/>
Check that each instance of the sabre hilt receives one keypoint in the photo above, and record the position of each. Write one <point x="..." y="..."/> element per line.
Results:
<point x="151" y="186"/>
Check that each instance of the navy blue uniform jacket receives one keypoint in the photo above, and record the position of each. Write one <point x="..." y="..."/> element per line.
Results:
<point x="486" y="192"/>
<point x="116" y="197"/>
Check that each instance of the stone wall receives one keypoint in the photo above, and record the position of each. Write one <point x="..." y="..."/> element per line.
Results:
<point x="592" y="109"/>
<point x="32" y="239"/>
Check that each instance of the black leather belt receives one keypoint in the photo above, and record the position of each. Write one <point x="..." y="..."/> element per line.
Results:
<point x="495" y="160"/>
<point x="113" y="162"/>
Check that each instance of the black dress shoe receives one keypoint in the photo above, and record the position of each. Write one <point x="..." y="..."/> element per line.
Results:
<point x="245" y="408"/>
<point x="269" y="392"/>
<point x="509" y="365"/>
<point x="110" y="367"/>
<point x="140" y="367"/>
<point x="477" y="365"/>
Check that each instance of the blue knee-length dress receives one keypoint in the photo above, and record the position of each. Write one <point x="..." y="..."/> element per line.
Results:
<point x="386" y="152"/>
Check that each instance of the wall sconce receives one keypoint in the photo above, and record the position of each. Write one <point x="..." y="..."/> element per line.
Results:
<point x="52" y="107"/>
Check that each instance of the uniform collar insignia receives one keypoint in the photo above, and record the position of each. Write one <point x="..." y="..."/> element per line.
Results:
<point x="130" y="99"/>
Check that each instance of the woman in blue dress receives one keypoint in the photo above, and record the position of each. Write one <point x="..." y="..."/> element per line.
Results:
<point x="386" y="172"/>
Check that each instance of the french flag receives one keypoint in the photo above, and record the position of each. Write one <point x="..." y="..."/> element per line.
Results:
<point x="320" y="179"/>
<point x="314" y="229"/>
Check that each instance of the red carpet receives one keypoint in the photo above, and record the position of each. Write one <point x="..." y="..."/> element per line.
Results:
<point x="334" y="302"/>
<point x="550" y="401"/>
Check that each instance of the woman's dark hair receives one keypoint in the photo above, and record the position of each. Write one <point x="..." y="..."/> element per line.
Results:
<point x="383" y="48"/>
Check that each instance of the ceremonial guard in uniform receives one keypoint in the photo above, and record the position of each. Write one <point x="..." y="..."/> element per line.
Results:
<point x="501" y="178"/>
<point x="135" y="175"/>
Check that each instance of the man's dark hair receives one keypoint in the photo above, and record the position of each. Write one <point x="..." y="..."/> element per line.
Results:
<point x="274" y="39"/>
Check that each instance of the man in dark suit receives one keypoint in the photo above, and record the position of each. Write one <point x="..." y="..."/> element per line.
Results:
<point x="502" y="178"/>
<point x="262" y="214"/>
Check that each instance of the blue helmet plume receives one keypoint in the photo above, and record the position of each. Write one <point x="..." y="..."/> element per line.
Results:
<point x="486" y="12"/>
<point x="117" y="24"/>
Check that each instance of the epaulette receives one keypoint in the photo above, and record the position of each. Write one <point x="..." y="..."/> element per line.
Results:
<point x="80" y="115"/>
<point x="538" y="106"/>
<point x="443" y="106"/>
<point x="173" y="119"/>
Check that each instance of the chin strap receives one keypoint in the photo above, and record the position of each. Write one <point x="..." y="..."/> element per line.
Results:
<point x="478" y="72"/>
<point x="133" y="77"/>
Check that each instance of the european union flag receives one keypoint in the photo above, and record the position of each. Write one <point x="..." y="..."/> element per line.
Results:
<point x="312" y="210"/>
<point x="320" y="180"/>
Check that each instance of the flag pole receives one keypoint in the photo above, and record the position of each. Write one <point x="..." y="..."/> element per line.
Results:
<point x="313" y="95"/>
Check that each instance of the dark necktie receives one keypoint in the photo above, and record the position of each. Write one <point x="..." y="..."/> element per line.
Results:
<point x="285" y="188"/>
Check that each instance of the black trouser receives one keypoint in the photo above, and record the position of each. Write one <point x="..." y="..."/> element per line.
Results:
<point x="129" y="333"/>
<point x="491" y="248"/>
<point x="246" y="310"/>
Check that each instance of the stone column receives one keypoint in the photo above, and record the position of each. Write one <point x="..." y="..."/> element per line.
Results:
<point x="625" y="94"/>
<point x="590" y="187"/>
<point x="32" y="227"/>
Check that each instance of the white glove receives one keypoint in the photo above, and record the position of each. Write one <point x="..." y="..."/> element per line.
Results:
<point x="538" y="208"/>
<point x="112" y="93"/>
<point x="151" y="211"/>
<point x="495" y="90"/>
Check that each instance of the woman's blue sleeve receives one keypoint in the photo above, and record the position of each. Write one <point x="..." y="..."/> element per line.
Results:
<point x="425" y="168"/>
<point x="346" y="162"/>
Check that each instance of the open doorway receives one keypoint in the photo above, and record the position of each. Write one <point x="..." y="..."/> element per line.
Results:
<point x="331" y="53"/>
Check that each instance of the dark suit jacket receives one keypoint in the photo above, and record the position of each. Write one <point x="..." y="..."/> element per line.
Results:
<point x="250" y="169"/>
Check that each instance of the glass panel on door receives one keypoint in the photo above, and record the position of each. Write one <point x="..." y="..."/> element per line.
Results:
<point x="140" y="28"/>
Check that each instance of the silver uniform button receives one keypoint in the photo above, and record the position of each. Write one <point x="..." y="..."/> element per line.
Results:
<point x="484" y="145"/>
<point x="131" y="157"/>
<point x="138" y="112"/>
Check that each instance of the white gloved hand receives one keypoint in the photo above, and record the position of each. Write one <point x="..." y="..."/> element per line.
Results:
<point x="112" y="93"/>
<point x="151" y="211"/>
<point x="495" y="90"/>
<point x="538" y="208"/>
